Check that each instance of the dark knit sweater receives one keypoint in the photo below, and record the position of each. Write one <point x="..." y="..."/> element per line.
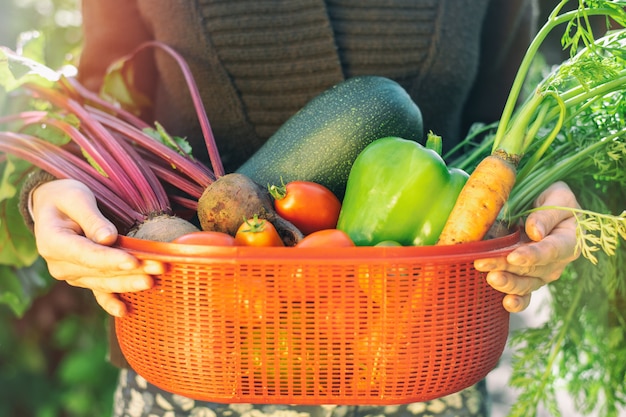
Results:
<point x="257" y="62"/>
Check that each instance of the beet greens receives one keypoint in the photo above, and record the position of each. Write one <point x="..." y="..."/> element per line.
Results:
<point x="119" y="157"/>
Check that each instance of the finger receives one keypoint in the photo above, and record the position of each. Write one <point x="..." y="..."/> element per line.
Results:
<point x="513" y="284"/>
<point x="558" y="247"/>
<point x="74" y="256"/>
<point x="503" y="264"/>
<point x="135" y="279"/>
<point x="541" y="222"/>
<point x="131" y="283"/>
<point x="111" y="303"/>
<point x="516" y="303"/>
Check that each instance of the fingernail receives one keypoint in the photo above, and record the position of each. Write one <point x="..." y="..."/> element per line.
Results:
<point x="104" y="234"/>
<point x="484" y="265"/>
<point x="513" y="304"/>
<point x="536" y="231"/>
<point x="540" y="229"/>
<point x="496" y="280"/>
<point x="152" y="268"/>
<point x="140" y="285"/>
<point x="516" y="258"/>
<point x="119" y="311"/>
<point x="127" y="266"/>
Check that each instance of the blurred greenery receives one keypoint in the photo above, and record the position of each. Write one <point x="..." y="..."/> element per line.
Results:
<point x="52" y="362"/>
<point x="53" y="359"/>
<point x="59" y="20"/>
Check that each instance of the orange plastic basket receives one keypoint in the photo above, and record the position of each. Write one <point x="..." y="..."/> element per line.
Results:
<point x="365" y="325"/>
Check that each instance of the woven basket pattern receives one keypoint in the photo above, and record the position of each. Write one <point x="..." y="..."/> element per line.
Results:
<point x="292" y="326"/>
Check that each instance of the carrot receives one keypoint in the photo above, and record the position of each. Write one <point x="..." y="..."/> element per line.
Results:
<point x="480" y="200"/>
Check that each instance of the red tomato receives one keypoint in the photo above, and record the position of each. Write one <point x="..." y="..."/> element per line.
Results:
<point x="208" y="238"/>
<point x="257" y="232"/>
<point x="308" y="205"/>
<point x="327" y="238"/>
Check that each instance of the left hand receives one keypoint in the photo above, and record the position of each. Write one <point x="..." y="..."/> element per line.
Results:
<point x="552" y="246"/>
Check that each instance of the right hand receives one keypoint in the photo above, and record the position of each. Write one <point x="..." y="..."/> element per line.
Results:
<point x="74" y="238"/>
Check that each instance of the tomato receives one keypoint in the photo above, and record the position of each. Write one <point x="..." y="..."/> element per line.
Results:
<point x="208" y="238"/>
<point x="328" y="238"/>
<point x="257" y="232"/>
<point x="303" y="282"/>
<point x="308" y="205"/>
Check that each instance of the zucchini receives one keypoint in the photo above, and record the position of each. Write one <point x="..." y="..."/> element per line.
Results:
<point x="321" y="141"/>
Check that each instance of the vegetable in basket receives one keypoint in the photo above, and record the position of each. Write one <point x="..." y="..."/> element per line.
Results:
<point x="586" y="78"/>
<point x="257" y="232"/>
<point x="401" y="191"/>
<point x="326" y="238"/>
<point x="585" y="101"/>
<point x="320" y="142"/>
<point x="127" y="164"/>
<point x="206" y="238"/>
<point x="308" y="205"/>
<point x="79" y="136"/>
<point x="587" y="302"/>
<point x="232" y="198"/>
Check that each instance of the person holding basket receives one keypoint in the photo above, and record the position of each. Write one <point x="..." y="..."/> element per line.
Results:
<point x="256" y="64"/>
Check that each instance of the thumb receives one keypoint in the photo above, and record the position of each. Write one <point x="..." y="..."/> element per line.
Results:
<point x="541" y="222"/>
<point x="70" y="204"/>
<point x="95" y="226"/>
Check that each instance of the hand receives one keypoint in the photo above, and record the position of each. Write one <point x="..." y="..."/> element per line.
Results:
<point x="552" y="246"/>
<point x="74" y="237"/>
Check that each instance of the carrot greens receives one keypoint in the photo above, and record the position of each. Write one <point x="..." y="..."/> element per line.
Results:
<point x="526" y="131"/>
<point x="572" y="128"/>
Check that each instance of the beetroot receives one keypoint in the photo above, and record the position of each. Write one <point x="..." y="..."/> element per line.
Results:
<point x="162" y="228"/>
<point x="141" y="177"/>
<point x="234" y="197"/>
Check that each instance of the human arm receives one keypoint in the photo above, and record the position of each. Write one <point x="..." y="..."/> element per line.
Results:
<point x="74" y="238"/>
<point x="551" y="247"/>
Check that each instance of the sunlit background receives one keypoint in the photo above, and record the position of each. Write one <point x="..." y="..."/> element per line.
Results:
<point x="52" y="360"/>
<point x="59" y="20"/>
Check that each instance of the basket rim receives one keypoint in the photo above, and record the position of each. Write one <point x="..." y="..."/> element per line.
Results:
<point x="185" y="253"/>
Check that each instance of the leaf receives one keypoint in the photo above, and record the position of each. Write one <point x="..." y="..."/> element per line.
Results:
<point x="11" y="293"/>
<point x="20" y="286"/>
<point x="596" y="231"/>
<point x="16" y="70"/>
<point x="180" y="145"/>
<point x="22" y="273"/>
<point x="119" y="87"/>
<point x="17" y="247"/>
<point x="80" y="366"/>
<point x="49" y="133"/>
<point x="32" y="45"/>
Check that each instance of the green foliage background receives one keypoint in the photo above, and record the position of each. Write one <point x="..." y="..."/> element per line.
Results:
<point x="52" y="360"/>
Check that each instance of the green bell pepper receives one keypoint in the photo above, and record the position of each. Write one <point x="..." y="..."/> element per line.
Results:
<point x="399" y="190"/>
